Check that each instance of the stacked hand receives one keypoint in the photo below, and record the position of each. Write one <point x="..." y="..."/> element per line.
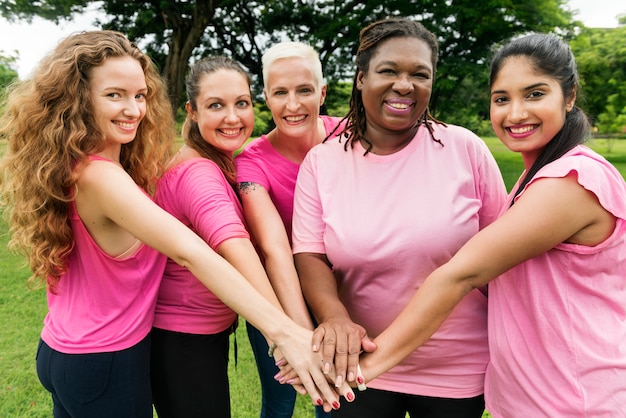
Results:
<point x="341" y="342"/>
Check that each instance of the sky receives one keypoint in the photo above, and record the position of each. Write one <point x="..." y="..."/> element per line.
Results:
<point x="33" y="41"/>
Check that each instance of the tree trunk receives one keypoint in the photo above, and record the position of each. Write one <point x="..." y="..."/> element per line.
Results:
<point x="186" y="34"/>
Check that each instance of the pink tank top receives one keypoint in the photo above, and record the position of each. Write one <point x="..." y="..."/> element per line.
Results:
<point x="102" y="303"/>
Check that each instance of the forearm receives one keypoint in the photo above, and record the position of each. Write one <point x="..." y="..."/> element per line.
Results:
<point x="240" y="253"/>
<point x="319" y="287"/>
<point x="284" y="279"/>
<point x="223" y="279"/>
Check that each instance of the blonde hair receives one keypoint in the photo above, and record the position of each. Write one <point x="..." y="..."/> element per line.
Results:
<point x="50" y="129"/>
<point x="293" y="50"/>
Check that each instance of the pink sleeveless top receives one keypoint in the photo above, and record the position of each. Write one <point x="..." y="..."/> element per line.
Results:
<point x="102" y="303"/>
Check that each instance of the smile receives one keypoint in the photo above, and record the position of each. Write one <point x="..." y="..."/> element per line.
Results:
<point x="125" y="125"/>
<point x="230" y="132"/>
<point x="522" y="129"/>
<point x="295" y="118"/>
<point x="400" y="106"/>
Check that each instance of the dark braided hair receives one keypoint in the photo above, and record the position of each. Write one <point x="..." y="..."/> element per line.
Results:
<point x="552" y="57"/>
<point x="370" y="39"/>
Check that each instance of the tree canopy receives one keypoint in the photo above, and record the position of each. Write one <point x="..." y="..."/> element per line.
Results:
<point x="176" y="32"/>
<point x="601" y="59"/>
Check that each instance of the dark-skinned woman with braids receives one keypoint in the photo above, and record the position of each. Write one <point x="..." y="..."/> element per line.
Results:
<point x="376" y="210"/>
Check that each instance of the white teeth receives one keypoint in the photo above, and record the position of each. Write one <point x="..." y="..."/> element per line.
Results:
<point x="522" y="129"/>
<point x="125" y="125"/>
<point x="294" y="118"/>
<point x="399" y="105"/>
<point x="230" y="131"/>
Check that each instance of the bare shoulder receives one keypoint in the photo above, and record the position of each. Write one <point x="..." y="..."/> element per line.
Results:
<point x="565" y="201"/>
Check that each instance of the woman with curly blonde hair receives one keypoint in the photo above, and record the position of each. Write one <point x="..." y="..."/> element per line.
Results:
<point x="88" y="136"/>
<point x="52" y="128"/>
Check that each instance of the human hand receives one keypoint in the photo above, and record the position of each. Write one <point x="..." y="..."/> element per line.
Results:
<point x="287" y="375"/>
<point x="307" y="374"/>
<point x="341" y="341"/>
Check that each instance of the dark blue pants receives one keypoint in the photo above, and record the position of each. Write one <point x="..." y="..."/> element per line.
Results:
<point x="278" y="400"/>
<point x="100" y="385"/>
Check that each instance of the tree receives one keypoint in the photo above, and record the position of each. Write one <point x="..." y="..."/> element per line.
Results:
<point x="175" y="31"/>
<point x="601" y="59"/>
<point x="8" y="73"/>
<point x="467" y="31"/>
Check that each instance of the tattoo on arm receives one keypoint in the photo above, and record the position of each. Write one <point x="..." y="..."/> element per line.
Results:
<point x="248" y="186"/>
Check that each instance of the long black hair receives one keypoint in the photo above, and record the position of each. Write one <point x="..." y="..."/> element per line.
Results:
<point x="552" y="57"/>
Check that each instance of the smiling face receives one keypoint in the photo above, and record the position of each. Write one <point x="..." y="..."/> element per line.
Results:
<point x="294" y="95"/>
<point x="396" y="89"/>
<point x="118" y="90"/>
<point x="527" y="109"/>
<point x="224" y="111"/>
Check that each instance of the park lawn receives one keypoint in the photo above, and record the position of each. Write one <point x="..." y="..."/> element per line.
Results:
<point x="22" y="311"/>
<point x="511" y="165"/>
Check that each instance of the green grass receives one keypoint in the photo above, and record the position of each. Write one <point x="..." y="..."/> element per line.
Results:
<point x="511" y="164"/>
<point x="22" y="311"/>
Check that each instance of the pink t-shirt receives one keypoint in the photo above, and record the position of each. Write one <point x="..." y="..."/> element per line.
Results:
<point x="102" y="303"/>
<point x="557" y="323"/>
<point x="260" y="163"/>
<point x="197" y="193"/>
<point x="387" y="221"/>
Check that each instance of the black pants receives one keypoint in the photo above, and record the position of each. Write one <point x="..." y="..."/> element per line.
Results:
<point x="374" y="403"/>
<point x="189" y="374"/>
<point x="100" y="385"/>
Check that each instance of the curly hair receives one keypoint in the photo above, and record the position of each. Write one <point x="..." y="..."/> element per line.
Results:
<point x="191" y="131"/>
<point x="370" y="39"/>
<point x="50" y="129"/>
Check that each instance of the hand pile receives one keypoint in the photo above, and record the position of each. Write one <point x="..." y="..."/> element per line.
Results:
<point x="342" y="343"/>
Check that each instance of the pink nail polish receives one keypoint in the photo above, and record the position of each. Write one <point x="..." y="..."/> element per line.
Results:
<point x="277" y="376"/>
<point x="335" y="405"/>
<point x="360" y="380"/>
<point x="350" y="396"/>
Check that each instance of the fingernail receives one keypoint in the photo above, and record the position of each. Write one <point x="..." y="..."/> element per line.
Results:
<point x="351" y="377"/>
<point x="335" y="405"/>
<point x="338" y="381"/>
<point x="320" y="402"/>
<point x="360" y="380"/>
<point x="290" y="381"/>
<point x="277" y="376"/>
<point x="314" y="347"/>
<point x="280" y="362"/>
<point x="350" y="396"/>
<point x="282" y="380"/>
<point x="326" y="368"/>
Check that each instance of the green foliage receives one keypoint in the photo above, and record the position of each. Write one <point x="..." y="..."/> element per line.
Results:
<point x="174" y="31"/>
<point x="8" y="73"/>
<point x="54" y="10"/>
<point x="601" y="59"/>
<point x="263" y="122"/>
<point x="337" y="102"/>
